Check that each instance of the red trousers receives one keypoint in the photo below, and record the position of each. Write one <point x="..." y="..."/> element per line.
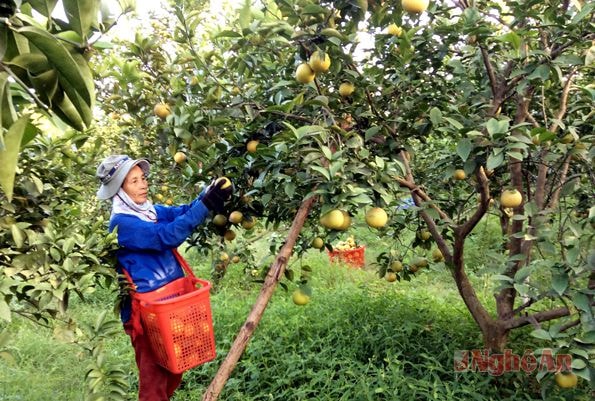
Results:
<point x="155" y="382"/>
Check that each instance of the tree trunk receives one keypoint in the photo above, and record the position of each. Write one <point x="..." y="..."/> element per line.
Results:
<point x="275" y="273"/>
<point x="495" y="336"/>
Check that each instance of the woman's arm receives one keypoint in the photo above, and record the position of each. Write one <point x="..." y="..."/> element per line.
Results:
<point x="137" y="234"/>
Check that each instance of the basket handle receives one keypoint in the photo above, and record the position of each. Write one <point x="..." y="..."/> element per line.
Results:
<point x="181" y="261"/>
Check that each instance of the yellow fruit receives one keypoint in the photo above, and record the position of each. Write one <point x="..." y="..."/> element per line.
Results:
<point x="219" y="220"/>
<point x="236" y="217"/>
<point x="415" y="6"/>
<point x="320" y="61"/>
<point x="178" y="350"/>
<point x="333" y="220"/>
<point x="161" y="110"/>
<point x="299" y="298"/>
<point x="180" y="157"/>
<point x="395" y="30"/>
<point x="376" y="217"/>
<point x="396" y="266"/>
<point x="511" y="198"/>
<point x="229" y="235"/>
<point x="251" y="146"/>
<point x="346" y="89"/>
<point x="568" y="138"/>
<point x="227" y="182"/>
<point x="424" y="235"/>
<point x="346" y="221"/>
<point x="235" y="259"/>
<point x="224" y="257"/>
<point x="317" y="243"/>
<point x="390" y="276"/>
<point x="159" y="197"/>
<point x="566" y="379"/>
<point x="419" y="263"/>
<point x="164" y="188"/>
<point x="177" y="326"/>
<point x="169" y="201"/>
<point x="437" y="255"/>
<point x="248" y="223"/>
<point x="304" y="73"/>
<point x="459" y="174"/>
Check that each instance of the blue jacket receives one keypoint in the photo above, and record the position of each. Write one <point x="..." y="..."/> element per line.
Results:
<point x="145" y="247"/>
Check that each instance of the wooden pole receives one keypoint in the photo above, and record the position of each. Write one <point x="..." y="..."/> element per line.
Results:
<point x="275" y="273"/>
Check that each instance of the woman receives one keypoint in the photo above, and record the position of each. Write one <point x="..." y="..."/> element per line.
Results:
<point x="147" y="234"/>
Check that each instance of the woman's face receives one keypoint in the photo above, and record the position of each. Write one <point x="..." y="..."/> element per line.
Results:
<point x="136" y="185"/>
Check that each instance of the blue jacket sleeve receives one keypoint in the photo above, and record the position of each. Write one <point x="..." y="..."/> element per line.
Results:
<point x="137" y="234"/>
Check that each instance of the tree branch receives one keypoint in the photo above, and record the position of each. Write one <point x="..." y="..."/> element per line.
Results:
<point x="490" y="71"/>
<point x="484" y="193"/>
<point x="247" y="330"/>
<point x="563" y="101"/>
<point x="542" y="316"/>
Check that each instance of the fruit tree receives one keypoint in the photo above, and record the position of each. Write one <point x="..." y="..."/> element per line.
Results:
<point x="500" y="93"/>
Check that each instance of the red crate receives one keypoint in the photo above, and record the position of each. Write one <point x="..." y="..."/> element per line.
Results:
<point x="352" y="257"/>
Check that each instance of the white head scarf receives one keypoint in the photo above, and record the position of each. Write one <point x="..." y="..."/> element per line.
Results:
<point x="122" y="203"/>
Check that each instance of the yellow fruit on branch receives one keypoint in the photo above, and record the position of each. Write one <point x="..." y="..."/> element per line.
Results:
<point x="235" y="217"/>
<point x="346" y="221"/>
<point x="396" y="266"/>
<point x="162" y="110"/>
<point x="511" y="198"/>
<point x="424" y="235"/>
<point x="459" y="174"/>
<point x="300" y="298"/>
<point x="320" y="61"/>
<point x="566" y="379"/>
<point x="227" y="182"/>
<point x="346" y="89"/>
<point x="437" y="255"/>
<point x="248" y="223"/>
<point x="235" y="259"/>
<point x="390" y="277"/>
<point x="317" y="243"/>
<point x="252" y="145"/>
<point x="395" y="30"/>
<point x="304" y="73"/>
<point x="180" y="157"/>
<point x="415" y="6"/>
<point x="333" y="220"/>
<point x="376" y="217"/>
<point x="229" y="235"/>
<point x="219" y="220"/>
<point x="224" y="257"/>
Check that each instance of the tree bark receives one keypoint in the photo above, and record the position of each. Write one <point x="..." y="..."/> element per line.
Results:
<point x="275" y="273"/>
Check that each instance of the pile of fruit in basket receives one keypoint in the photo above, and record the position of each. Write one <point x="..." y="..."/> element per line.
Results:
<point x="346" y="245"/>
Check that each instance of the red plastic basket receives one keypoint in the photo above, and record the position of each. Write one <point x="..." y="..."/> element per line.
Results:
<point x="352" y="257"/>
<point x="177" y="319"/>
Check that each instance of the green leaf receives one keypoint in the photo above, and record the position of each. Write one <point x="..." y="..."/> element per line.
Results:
<point x="560" y="282"/>
<point x="4" y="310"/>
<point x="8" y="114"/>
<point x="541" y="334"/>
<point x="82" y="15"/>
<point x="371" y="132"/>
<point x="10" y="154"/>
<point x="495" y="159"/>
<point x="542" y="72"/>
<point x="495" y="127"/>
<point x="435" y="116"/>
<point x="512" y="38"/>
<point x="44" y="7"/>
<point x="74" y="83"/>
<point x="245" y="16"/>
<point x="464" y="148"/>
<point x="323" y="171"/>
<point x="581" y="301"/>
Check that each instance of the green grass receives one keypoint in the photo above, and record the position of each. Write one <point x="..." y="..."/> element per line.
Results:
<point x="360" y="338"/>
